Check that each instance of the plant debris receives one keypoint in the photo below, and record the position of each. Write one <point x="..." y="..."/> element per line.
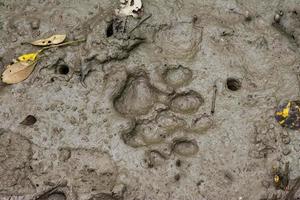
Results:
<point x="54" y="39"/>
<point x="46" y="193"/>
<point x="18" y="72"/>
<point x="281" y="177"/>
<point x="288" y="114"/>
<point x="25" y="64"/>
<point x="130" y="8"/>
<point x="213" y="103"/>
<point x="140" y="23"/>
<point x="29" y="120"/>
<point x="28" y="57"/>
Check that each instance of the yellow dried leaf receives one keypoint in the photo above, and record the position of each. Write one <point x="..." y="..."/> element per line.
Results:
<point x="17" y="72"/>
<point x="28" y="57"/>
<point x="54" y="39"/>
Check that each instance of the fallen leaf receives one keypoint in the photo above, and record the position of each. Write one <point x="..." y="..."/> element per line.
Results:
<point x="29" y="57"/>
<point x="29" y="120"/>
<point x="54" y="39"/>
<point x="17" y="72"/>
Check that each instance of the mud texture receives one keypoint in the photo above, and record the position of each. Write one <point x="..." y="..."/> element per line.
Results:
<point x="180" y="107"/>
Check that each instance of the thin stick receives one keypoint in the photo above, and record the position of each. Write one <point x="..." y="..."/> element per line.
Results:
<point x="62" y="44"/>
<point x="59" y="45"/>
<point x="125" y="24"/>
<point x="140" y="23"/>
<point x="49" y="191"/>
<point x="214" y="97"/>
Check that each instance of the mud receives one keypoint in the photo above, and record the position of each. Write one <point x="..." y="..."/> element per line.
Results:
<point x="127" y="114"/>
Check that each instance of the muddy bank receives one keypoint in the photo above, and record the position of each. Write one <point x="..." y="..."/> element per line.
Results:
<point x="127" y="114"/>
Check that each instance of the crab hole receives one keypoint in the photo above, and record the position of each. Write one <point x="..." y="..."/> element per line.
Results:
<point x="62" y="69"/>
<point x="110" y="29"/>
<point x="233" y="84"/>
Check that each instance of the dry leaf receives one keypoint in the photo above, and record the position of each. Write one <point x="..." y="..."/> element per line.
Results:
<point x="17" y="72"/>
<point x="28" y="57"/>
<point x="54" y="39"/>
<point x="129" y="8"/>
<point x="29" y="120"/>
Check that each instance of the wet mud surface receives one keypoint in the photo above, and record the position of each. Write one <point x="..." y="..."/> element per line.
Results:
<point x="180" y="107"/>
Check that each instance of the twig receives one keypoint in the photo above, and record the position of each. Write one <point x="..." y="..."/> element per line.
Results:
<point x="125" y="24"/>
<point x="62" y="44"/>
<point x="49" y="191"/>
<point x="214" y="97"/>
<point x="140" y="23"/>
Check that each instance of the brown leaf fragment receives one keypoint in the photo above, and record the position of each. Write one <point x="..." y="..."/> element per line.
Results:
<point x="17" y="72"/>
<point x="54" y="39"/>
<point x="29" y="120"/>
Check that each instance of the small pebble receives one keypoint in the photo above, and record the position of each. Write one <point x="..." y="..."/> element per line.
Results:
<point x="277" y="18"/>
<point x="248" y="17"/>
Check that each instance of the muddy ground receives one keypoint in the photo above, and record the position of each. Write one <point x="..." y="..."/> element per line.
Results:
<point x="127" y="114"/>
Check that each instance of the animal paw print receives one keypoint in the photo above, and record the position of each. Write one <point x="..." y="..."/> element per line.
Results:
<point x="165" y="114"/>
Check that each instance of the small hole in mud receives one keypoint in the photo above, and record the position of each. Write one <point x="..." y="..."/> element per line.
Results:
<point x="233" y="84"/>
<point x="177" y="177"/>
<point x="63" y="69"/>
<point x="110" y="30"/>
<point x="178" y="163"/>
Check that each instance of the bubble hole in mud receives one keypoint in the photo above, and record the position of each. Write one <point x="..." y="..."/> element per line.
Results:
<point x="233" y="84"/>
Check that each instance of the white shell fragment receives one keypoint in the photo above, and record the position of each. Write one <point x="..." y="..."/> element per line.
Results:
<point x="129" y="8"/>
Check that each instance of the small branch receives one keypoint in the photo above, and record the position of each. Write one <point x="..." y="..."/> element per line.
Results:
<point x="62" y="44"/>
<point x="140" y="23"/>
<point x="49" y="191"/>
<point x="214" y="97"/>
